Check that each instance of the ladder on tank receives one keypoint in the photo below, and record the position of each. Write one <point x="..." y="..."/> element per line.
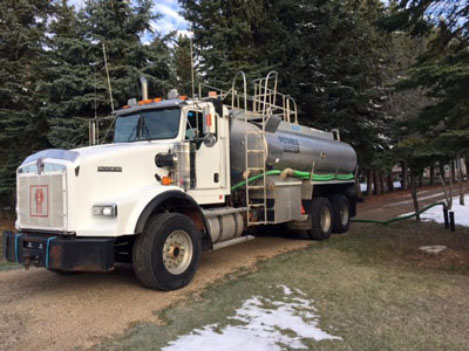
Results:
<point x="266" y="99"/>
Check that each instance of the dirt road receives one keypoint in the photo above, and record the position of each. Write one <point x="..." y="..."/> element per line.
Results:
<point x="44" y="311"/>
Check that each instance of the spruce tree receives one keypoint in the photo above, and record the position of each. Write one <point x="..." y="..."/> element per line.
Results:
<point x="23" y="124"/>
<point x="78" y="87"/>
<point x="326" y="53"/>
<point x="182" y="64"/>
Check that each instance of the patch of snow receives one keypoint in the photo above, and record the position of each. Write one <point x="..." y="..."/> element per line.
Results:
<point x="364" y="186"/>
<point x="261" y="324"/>
<point x="432" y="249"/>
<point x="461" y="213"/>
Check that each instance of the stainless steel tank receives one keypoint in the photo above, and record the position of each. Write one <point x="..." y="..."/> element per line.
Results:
<point x="291" y="145"/>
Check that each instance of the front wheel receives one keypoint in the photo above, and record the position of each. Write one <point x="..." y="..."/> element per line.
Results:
<point x="321" y="218"/>
<point x="167" y="254"/>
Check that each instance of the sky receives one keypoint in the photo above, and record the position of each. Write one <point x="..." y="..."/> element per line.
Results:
<point x="170" y="18"/>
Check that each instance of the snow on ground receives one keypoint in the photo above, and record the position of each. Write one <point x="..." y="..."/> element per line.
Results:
<point x="461" y="213"/>
<point x="261" y="324"/>
<point x="364" y="186"/>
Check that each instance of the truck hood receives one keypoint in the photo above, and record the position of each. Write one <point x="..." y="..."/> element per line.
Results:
<point x="125" y="149"/>
<point x="99" y="151"/>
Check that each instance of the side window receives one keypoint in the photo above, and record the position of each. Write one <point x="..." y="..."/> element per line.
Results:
<point x="195" y="126"/>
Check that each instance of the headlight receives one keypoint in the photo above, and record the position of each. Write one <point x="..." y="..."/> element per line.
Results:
<point x="105" y="210"/>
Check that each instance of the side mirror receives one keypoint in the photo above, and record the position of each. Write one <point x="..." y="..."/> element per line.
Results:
<point x="210" y="140"/>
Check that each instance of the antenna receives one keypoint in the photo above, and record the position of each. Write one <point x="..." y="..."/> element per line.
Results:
<point x="108" y="79"/>
<point x="192" y="70"/>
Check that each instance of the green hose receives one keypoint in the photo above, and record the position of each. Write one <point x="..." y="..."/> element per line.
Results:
<point x="297" y="174"/>
<point x="401" y="218"/>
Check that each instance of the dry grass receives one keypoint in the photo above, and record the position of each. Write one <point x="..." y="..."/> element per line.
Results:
<point x="371" y="287"/>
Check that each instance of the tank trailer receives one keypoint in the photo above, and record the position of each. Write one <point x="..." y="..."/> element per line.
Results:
<point x="182" y="176"/>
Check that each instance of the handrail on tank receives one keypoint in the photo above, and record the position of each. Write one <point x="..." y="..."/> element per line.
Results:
<point x="266" y="87"/>
<point x="295" y="108"/>
<point x="233" y="90"/>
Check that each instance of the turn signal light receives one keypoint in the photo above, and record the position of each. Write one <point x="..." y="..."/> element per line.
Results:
<point x="166" y="181"/>
<point x="208" y="120"/>
<point x="183" y="97"/>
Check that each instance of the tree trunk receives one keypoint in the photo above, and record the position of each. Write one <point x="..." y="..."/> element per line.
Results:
<point x="390" y="182"/>
<point x="413" y="190"/>
<point x="369" y="182"/>
<point x="376" y="181"/>
<point x="382" y="180"/>
<point x="420" y="180"/>
<point x="441" y="166"/>
<point x="404" y="183"/>
<point x="461" y="189"/>
<point x="432" y="174"/>
<point x="447" y="197"/>
<point x="467" y="168"/>
<point x="450" y="205"/>
<point x="453" y="171"/>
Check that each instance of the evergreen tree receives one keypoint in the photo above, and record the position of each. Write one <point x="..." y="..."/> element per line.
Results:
<point x="79" y="89"/>
<point x="443" y="69"/>
<point x="182" y="64"/>
<point x="325" y="52"/>
<point x="22" y="59"/>
<point x="71" y="80"/>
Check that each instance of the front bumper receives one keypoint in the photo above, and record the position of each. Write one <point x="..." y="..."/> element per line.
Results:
<point x="59" y="252"/>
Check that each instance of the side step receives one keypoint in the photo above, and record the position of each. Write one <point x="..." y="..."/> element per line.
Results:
<point x="234" y="241"/>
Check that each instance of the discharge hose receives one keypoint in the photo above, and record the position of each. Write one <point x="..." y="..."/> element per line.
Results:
<point x="400" y="218"/>
<point x="328" y="177"/>
<point x="296" y="174"/>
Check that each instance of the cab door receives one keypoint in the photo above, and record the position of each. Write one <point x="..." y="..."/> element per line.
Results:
<point x="202" y="130"/>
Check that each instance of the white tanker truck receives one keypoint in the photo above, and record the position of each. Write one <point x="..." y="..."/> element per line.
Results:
<point x="181" y="176"/>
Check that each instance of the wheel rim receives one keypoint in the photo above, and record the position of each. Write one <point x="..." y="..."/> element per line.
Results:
<point x="325" y="219"/>
<point x="344" y="215"/>
<point x="177" y="252"/>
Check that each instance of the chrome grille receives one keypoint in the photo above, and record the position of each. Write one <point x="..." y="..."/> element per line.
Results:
<point x="42" y="201"/>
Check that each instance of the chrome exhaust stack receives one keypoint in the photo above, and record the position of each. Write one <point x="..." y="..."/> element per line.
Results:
<point x="144" y="83"/>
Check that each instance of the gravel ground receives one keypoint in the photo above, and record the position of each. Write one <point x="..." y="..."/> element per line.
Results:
<point x="44" y="311"/>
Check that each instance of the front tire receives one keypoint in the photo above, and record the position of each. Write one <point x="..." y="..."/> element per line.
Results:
<point x="321" y="217"/>
<point x="167" y="254"/>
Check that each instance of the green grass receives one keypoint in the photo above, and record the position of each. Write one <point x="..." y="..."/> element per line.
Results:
<point x="371" y="287"/>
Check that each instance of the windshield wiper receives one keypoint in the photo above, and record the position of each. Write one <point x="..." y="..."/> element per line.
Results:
<point x="134" y="130"/>
<point x="146" y="131"/>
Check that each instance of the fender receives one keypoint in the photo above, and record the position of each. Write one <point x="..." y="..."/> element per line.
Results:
<point x="189" y="205"/>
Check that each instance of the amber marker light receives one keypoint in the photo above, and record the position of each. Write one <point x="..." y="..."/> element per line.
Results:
<point x="144" y="102"/>
<point x="166" y="180"/>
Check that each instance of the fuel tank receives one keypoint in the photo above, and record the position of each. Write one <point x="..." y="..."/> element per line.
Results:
<point x="287" y="145"/>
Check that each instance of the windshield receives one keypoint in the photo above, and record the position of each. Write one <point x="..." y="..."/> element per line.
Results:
<point x="147" y="125"/>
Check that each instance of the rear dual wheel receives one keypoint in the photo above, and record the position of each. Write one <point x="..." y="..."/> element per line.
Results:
<point x="329" y="215"/>
<point x="167" y="254"/>
<point x="340" y="213"/>
<point x="321" y="216"/>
